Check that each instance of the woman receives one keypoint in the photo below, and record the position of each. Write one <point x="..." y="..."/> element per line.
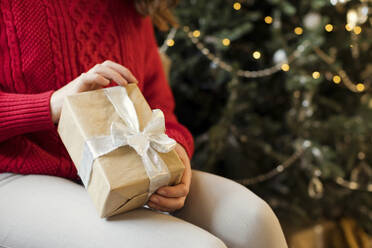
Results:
<point x="52" y="49"/>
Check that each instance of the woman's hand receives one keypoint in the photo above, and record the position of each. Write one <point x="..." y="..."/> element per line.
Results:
<point x="97" y="77"/>
<point x="171" y="198"/>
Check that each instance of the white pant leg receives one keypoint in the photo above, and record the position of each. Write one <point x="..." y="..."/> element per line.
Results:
<point x="232" y="213"/>
<point x="45" y="212"/>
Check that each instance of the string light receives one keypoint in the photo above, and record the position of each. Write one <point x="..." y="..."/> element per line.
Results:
<point x="360" y="87"/>
<point x="170" y="42"/>
<point x="171" y="35"/>
<point x="342" y="74"/>
<point x="352" y="185"/>
<point x="274" y="172"/>
<point x="268" y="20"/>
<point x="256" y="55"/>
<point x="237" y="6"/>
<point x="329" y="27"/>
<point x="357" y="30"/>
<point x="298" y="30"/>
<point x="240" y="73"/>
<point x="336" y="79"/>
<point x="316" y="75"/>
<point x="281" y="168"/>
<point x="196" y="33"/>
<point x="285" y="67"/>
<point x="226" y="42"/>
<point x="348" y="27"/>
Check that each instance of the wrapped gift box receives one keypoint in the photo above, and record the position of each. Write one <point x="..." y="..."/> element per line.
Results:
<point x="118" y="180"/>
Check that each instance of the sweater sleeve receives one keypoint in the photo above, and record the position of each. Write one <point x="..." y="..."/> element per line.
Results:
<point x="159" y="95"/>
<point x="24" y="113"/>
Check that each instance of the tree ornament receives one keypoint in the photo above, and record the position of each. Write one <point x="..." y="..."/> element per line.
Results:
<point x="312" y="20"/>
<point x="316" y="152"/>
<point x="362" y="174"/>
<point x="363" y="12"/>
<point x="357" y="16"/>
<point x="280" y="56"/>
<point x="335" y="2"/>
<point x="352" y="18"/>
<point x="315" y="188"/>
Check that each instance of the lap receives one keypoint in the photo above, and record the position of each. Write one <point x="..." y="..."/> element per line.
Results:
<point x="44" y="211"/>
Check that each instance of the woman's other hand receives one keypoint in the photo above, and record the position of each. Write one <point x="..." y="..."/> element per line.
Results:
<point x="97" y="77"/>
<point x="171" y="198"/>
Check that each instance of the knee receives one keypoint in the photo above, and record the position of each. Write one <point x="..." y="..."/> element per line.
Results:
<point x="259" y="211"/>
<point x="264" y="229"/>
<point x="217" y="243"/>
<point x="232" y="212"/>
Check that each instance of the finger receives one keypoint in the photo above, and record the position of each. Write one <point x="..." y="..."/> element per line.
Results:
<point x="179" y="190"/>
<point x="94" y="78"/>
<point x="157" y="207"/>
<point x="109" y="73"/>
<point x="160" y="208"/>
<point x="168" y="203"/>
<point x="125" y="72"/>
<point x="186" y="178"/>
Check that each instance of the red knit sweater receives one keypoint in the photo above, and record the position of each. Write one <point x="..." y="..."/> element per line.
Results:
<point x="46" y="44"/>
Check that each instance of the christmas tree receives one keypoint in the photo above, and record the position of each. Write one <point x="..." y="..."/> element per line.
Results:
<point x="278" y="96"/>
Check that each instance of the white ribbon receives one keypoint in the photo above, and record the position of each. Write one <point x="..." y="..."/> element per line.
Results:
<point x="146" y="143"/>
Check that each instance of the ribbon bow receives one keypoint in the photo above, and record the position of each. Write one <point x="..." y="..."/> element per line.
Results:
<point x="146" y="143"/>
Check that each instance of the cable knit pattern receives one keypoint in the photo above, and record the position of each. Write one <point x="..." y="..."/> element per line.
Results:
<point x="89" y="28"/>
<point x="14" y="53"/>
<point x="46" y="44"/>
<point x="55" y="42"/>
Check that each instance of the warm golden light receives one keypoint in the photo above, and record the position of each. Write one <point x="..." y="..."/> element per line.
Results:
<point x="329" y="27"/>
<point x="337" y="79"/>
<point x="170" y="42"/>
<point x="357" y="30"/>
<point x="268" y="19"/>
<point x="256" y="55"/>
<point x="360" y="87"/>
<point x="285" y="67"/>
<point x="298" y="30"/>
<point x="316" y="75"/>
<point x="196" y="33"/>
<point x="348" y="27"/>
<point x="237" y="6"/>
<point x="226" y="42"/>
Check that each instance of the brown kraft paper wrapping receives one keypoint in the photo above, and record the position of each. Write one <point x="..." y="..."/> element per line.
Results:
<point x="119" y="182"/>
